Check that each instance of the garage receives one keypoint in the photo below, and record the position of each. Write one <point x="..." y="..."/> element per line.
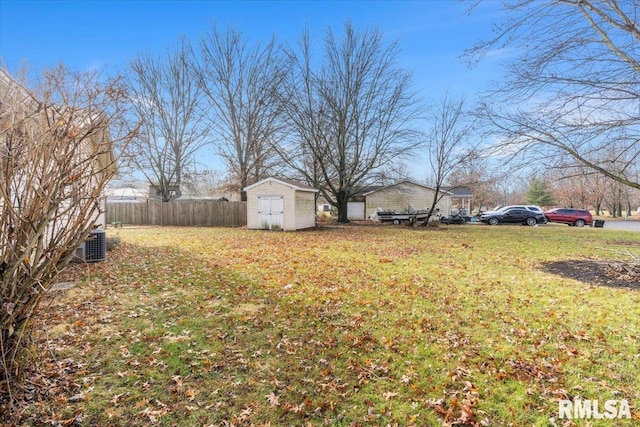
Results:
<point x="355" y="211"/>
<point x="280" y="204"/>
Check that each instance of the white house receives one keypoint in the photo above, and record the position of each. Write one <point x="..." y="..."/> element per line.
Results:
<point x="396" y="197"/>
<point x="461" y="196"/>
<point x="280" y="204"/>
<point x="92" y="146"/>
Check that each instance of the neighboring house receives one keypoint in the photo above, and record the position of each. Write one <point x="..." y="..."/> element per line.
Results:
<point x="155" y="191"/>
<point x="104" y="160"/>
<point x="126" y="194"/>
<point x="460" y="198"/>
<point x="185" y="191"/>
<point x="395" y="197"/>
<point x="280" y="204"/>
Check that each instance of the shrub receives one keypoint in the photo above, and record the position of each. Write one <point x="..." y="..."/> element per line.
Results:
<point x="112" y="242"/>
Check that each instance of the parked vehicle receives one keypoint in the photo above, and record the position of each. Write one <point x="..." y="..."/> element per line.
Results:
<point x="409" y="215"/>
<point x="577" y="217"/>
<point x="455" y="219"/>
<point x="402" y="216"/>
<point x="532" y="208"/>
<point x="324" y="211"/>
<point x="513" y="215"/>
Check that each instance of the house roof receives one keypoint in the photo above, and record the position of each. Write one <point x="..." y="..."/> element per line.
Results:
<point x="460" y="191"/>
<point x="126" y="193"/>
<point x="296" y="185"/>
<point x="369" y="190"/>
<point x="5" y="79"/>
<point x="7" y="82"/>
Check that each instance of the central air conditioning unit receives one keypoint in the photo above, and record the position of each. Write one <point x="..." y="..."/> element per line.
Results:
<point x="94" y="248"/>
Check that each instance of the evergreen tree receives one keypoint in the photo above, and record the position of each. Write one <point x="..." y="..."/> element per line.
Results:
<point x="539" y="193"/>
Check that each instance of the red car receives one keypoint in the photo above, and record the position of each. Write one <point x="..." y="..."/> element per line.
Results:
<point x="577" y="217"/>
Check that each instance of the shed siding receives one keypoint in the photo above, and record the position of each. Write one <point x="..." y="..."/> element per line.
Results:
<point x="401" y="196"/>
<point x="305" y="210"/>
<point x="289" y="208"/>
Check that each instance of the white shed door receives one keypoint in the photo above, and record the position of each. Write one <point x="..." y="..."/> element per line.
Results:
<point x="270" y="212"/>
<point x="355" y="210"/>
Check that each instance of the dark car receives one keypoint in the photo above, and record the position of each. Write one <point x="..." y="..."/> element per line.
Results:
<point x="454" y="219"/>
<point x="513" y="216"/>
<point x="577" y="217"/>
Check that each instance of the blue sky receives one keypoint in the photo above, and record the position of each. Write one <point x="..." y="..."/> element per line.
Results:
<point x="93" y="34"/>
<point x="96" y="34"/>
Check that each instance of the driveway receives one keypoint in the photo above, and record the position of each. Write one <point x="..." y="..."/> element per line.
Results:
<point x="630" y="225"/>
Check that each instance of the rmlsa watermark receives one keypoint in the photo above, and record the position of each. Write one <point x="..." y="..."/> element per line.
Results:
<point x="592" y="409"/>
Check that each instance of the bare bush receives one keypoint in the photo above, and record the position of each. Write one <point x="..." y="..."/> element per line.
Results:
<point x="56" y="157"/>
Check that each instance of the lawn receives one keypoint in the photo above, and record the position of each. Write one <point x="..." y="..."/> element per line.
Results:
<point x="344" y="326"/>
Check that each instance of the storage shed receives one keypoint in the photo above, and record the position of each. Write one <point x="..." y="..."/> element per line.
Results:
<point x="280" y="204"/>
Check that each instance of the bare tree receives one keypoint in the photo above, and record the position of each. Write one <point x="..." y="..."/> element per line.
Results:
<point x="571" y="187"/>
<point x="208" y="183"/>
<point x="242" y="85"/>
<point x="447" y="144"/>
<point x="350" y="115"/>
<point x="56" y="156"/>
<point x="476" y="174"/>
<point x="574" y="85"/>
<point x="167" y="99"/>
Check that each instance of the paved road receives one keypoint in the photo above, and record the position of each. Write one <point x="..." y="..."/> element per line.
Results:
<point x="631" y="225"/>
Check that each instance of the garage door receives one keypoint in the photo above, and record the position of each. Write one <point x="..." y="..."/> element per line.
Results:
<point x="355" y="210"/>
<point x="271" y="212"/>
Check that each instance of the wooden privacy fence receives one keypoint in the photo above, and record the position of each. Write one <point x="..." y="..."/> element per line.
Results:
<point x="194" y="213"/>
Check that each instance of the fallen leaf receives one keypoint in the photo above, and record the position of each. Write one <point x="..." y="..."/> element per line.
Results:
<point x="388" y="395"/>
<point x="273" y="399"/>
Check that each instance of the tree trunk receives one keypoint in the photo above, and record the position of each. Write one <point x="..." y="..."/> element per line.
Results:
<point x="620" y="203"/>
<point x="341" y="205"/>
<point x="432" y="208"/>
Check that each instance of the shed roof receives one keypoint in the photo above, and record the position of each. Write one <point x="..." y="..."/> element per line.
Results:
<point x="296" y="185"/>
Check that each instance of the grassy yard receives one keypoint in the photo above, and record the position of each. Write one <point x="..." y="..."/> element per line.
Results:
<point x="346" y="326"/>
